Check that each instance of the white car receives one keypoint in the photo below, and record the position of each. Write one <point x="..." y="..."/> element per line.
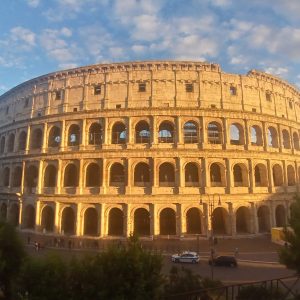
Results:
<point x="186" y="257"/>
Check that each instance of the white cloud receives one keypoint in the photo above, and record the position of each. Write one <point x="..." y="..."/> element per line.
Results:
<point x="33" y="3"/>
<point x="21" y="34"/>
<point x="220" y="3"/>
<point x="278" y="71"/>
<point x="138" y="48"/>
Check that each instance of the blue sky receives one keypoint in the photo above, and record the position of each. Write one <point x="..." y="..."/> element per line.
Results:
<point x="42" y="36"/>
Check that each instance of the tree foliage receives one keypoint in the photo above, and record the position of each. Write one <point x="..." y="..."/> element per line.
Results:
<point x="259" y="293"/>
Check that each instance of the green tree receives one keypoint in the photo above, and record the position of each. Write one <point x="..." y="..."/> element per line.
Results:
<point x="12" y="255"/>
<point x="290" y="254"/>
<point x="258" y="293"/>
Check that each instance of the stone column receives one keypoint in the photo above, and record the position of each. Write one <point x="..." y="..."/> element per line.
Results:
<point x="180" y="175"/>
<point x="40" y="177"/>
<point x="272" y="207"/>
<point x="101" y="220"/>
<point x="265" y="136"/>
<point x="23" y="182"/>
<point x="154" y="131"/>
<point x="155" y="173"/>
<point x="105" y="176"/>
<point x="226" y="133"/>
<point x="270" y="176"/>
<point x="204" y="132"/>
<point x="130" y="131"/>
<point x="247" y="135"/>
<point x="127" y="220"/>
<point x="180" y="131"/>
<point x="180" y="220"/>
<point x="253" y="219"/>
<point x="229" y="177"/>
<point x="79" y="221"/>
<point x="38" y="216"/>
<point x="284" y="173"/>
<point x="154" y="220"/>
<point x="81" y="176"/>
<point x="59" y="176"/>
<point x="64" y="136"/>
<point x="232" y="219"/>
<point x="106" y="138"/>
<point x="279" y="133"/>
<point x="205" y="174"/>
<point x="45" y="135"/>
<point x="57" y="218"/>
<point x="27" y="148"/>
<point x="251" y="176"/>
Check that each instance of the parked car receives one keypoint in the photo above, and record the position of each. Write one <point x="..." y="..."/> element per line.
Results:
<point x="186" y="257"/>
<point x="228" y="261"/>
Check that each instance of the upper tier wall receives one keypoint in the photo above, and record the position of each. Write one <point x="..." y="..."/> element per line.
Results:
<point x="167" y="84"/>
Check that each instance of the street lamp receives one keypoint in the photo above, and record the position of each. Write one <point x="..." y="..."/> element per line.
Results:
<point x="211" y="207"/>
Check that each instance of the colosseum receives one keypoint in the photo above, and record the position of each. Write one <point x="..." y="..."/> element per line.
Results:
<point x="157" y="148"/>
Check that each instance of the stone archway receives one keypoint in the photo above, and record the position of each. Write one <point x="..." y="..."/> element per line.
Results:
<point x="3" y="212"/>
<point x="243" y="222"/>
<point x="167" y="222"/>
<point x="141" y="222"/>
<point x="263" y="217"/>
<point x="193" y="221"/>
<point x="280" y="216"/>
<point x="47" y="221"/>
<point x="115" y="222"/>
<point x="68" y="221"/>
<point x="14" y="212"/>
<point x="90" y="222"/>
<point x="29" y="217"/>
<point x="220" y="221"/>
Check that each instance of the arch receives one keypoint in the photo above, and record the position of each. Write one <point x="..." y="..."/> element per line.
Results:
<point x="256" y="136"/>
<point x="214" y="133"/>
<point x="193" y="221"/>
<point x="3" y="212"/>
<point x="291" y="176"/>
<point x="243" y="220"/>
<point x="272" y="137"/>
<point x="240" y="176"/>
<point x="2" y="145"/>
<point x="167" y="221"/>
<point x="166" y="132"/>
<point x="142" y="174"/>
<point x="286" y="143"/>
<point x="50" y="176"/>
<point x="6" y="175"/>
<point x="17" y="177"/>
<point x="190" y="132"/>
<point x="166" y="174"/>
<point x="191" y="171"/>
<point x="93" y="175"/>
<point x="95" y="134"/>
<point x="11" y="143"/>
<point x="236" y="134"/>
<point x="277" y="175"/>
<point x="263" y="217"/>
<point x="54" y="137"/>
<point x="14" y="212"/>
<point x="296" y="141"/>
<point x="142" y="132"/>
<point x="119" y="133"/>
<point x="220" y="221"/>
<point x="36" y="139"/>
<point x="141" y="222"/>
<point x="29" y="217"/>
<point x="90" y="222"/>
<point x="71" y="175"/>
<point x="22" y="141"/>
<point x="68" y="221"/>
<point x="280" y="216"/>
<point x="74" y="135"/>
<point x="31" y="176"/>
<point x="115" y="222"/>
<point x="261" y="175"/>
<point x="217" y="175"/>
<point x="117" y="175"/>
<point x="47" y="219"/>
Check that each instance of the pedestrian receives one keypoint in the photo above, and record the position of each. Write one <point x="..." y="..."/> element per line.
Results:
<point x="236" y="252"/>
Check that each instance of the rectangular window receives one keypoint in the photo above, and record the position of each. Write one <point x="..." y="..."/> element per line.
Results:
<point x="26" y="102"/>
<point x="213" y="106"/>
<point x="97" y="89"/>
<point x="59" y="95"/>
<point x="7" y="110"/>
<point x="268" y="96"/>
<point x="118" y="106"/>
<point x="232" y="91"/>
<point x="189" y="87"/>
<point x="290" y="104"/>
<point x="253" y="109"/>
<point x="142" y="87"/>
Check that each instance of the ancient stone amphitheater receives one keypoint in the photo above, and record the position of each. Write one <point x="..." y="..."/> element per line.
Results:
<point x="155" y="147"/>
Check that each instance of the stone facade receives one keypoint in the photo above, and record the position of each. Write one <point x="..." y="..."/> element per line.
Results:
<point x="155" y="147"/>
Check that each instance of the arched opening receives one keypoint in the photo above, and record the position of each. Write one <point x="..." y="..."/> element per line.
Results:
<point x="74" y="135"/>
<point x="142" y="132"/>
<point x="54" y="137"/>
<point x="291" y="176"/>
<point x="166" y="132"/>
<point x="214" y="133"/>
<point x="68" y="221"/>
<point x="240" y="175"/>
<point x="22" y="141"/>
<point x="6" y="175"/>
<point x="93" y="175"/>
<point x="166" y="175"/>
<point x="36" y="139"/>
<point x="167" y="220"/>
<point x="115" y="222"/>
<point x="31" y="176"/>
<point x="3" y="212"/>
<point x="277" y="175"/>
<point x="17" y="177"/>
<point x="263" y="217"/>
<point x="191" y="174"/>
<point x="220" y="221"/>
<point x="296" y="141"/>
<point x="236" y="134"/>
<point x="50" y="176"/>
<point x="286" y="139"/>
<point x="117" y="175"/>
<point x="11" y="143"/>
<point x="193" y="221"/>
<point x="141" y="222"/>
<point x="190" y="131"/>
<point x="91" y="222"/>
<point x="272" y="137"/>
<point x="243" y="220"/>
<point x="71" y="176"/>
<point x="47" y="221"/>
<point x="256" y="136"/>
<point x="118" y="133"/>
<point x="14" y="212"/>
<point x="29" y="217"/>
<point x="95" y="134"/>
<point x="280" y="216"/>
<point x="2" y="145"/>
<point x="217" y="175"/>
<point x="260" y="174"/>
<point x="142" y="174"/>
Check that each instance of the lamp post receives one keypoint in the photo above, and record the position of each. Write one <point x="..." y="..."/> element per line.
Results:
<point x="211" y="206"/>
